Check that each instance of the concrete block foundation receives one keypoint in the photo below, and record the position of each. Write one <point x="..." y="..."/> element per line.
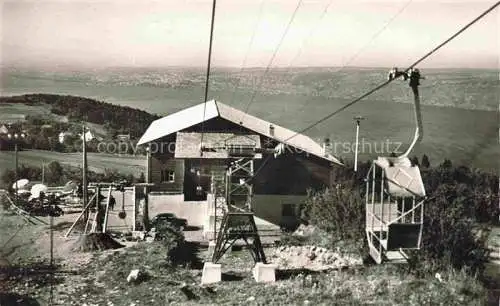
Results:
<point x="264" y="273"/>
<point x="211" y="273"/>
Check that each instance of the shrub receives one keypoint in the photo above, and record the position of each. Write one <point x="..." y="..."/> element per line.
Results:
<point x="459" y="199"/>
<point x="339" y="214"/>
<point x="168" y="233"/>
<point x="180" y="252"/>
<point x="478" y="190"/>
<point x="449" y="235"/>
<point x="339" y="211"/>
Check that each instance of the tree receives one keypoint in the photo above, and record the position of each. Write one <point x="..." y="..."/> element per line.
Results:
<point x="130" y="179"/>
<point x="142" y="178"/>
<point x="40" y="142"/>
<point x="425" y="161"/>
<point x="54" y="173"/>
<point x="8" y="177"/>
<point x="446" y="164"/>
<point x="414" y="161"/>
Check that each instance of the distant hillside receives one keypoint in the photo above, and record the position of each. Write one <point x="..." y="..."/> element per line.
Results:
<point x="121" y="119"/>
<point x="159" y="89"/>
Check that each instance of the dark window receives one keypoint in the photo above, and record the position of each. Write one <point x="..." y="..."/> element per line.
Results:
<point x="288" y="210"/>
<point x="167" y="176"/>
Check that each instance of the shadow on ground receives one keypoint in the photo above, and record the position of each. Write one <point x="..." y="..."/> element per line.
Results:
<point x="62" y="225"/>
<point x="284" y="274"/>
<point x="191" y="228"/>
<point x="187" y="254"/>
<point x="231" y="276"/>
<point x="41" y="274"/>
<point x="14" y="299"/>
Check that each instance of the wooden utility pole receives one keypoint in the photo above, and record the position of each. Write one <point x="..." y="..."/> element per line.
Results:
<point x="17" y="172"/>
<point x="84" y="175"/>
<point x="106" y="213"/>
<point x="148" y="164"/>
<point x="358" y="120"/>
<point x="43" y="172"/>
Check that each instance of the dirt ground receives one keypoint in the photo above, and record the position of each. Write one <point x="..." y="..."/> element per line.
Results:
<point x="99" y="278"/>
<point x="26" y="251"/>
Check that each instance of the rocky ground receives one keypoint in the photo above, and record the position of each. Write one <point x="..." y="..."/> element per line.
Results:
<point x="312" y="258"/>
<point x="306" y="275"/>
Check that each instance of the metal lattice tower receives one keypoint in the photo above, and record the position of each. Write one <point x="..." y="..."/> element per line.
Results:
<point x="218" y="190"/>
<point x="237" y="222"/>
<point x="236" y="226"/>
<point x="239" y="189"/>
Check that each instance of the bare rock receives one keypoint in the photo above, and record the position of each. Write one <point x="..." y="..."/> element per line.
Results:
<point x="134" y="276"/>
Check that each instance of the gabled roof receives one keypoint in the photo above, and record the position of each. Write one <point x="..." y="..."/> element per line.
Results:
<point x="179" y="121"/>
<point x="212" y="109"/>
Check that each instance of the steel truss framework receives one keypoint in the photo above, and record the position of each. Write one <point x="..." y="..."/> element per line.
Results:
<point x="239" y="191"/>
<point x="234" y="210"/>
<point x="236" y="226"/>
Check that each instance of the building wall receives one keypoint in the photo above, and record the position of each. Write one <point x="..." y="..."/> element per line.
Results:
<point x="162" y="158"/>
<point x="193" y="211"/>
<point x="269" y="207"/>
<point x="175" y="165"/>
<point x="266" y="207"/>
<point x="283" y="180"/>
<point x="291" y="175"/>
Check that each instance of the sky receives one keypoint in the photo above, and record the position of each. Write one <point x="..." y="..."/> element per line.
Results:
<point x="147" y="33"/>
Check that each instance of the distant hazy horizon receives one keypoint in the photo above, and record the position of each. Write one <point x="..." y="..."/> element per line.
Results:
<point x="246" y="68"/>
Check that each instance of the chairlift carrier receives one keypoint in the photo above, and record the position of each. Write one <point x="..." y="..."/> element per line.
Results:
<point x="395" y="195"/>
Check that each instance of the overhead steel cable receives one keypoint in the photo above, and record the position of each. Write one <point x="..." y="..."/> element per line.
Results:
<point x="208" y="74"/>
<point x="406" y="71"/>
<point x="250" y="44"/>
<point x="309" y="34"/>
<point x="272" y="58"/>
<point x="352" y="58"/>
<point x="386" y="82"/>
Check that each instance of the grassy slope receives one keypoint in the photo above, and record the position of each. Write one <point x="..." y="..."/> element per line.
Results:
<point x="96" y="161"/>
<point x="16" y="109"/>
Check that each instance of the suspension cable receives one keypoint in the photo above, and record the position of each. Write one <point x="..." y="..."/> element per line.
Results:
<point x="385" y="83"/>
<point x="358" y="53"/>
<point x="309" y="34"/>
<point x="250" y="44"/>
<point x="208" y="74"/>
<point x="406" y="71"/>
<point x="272" y="58"/>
